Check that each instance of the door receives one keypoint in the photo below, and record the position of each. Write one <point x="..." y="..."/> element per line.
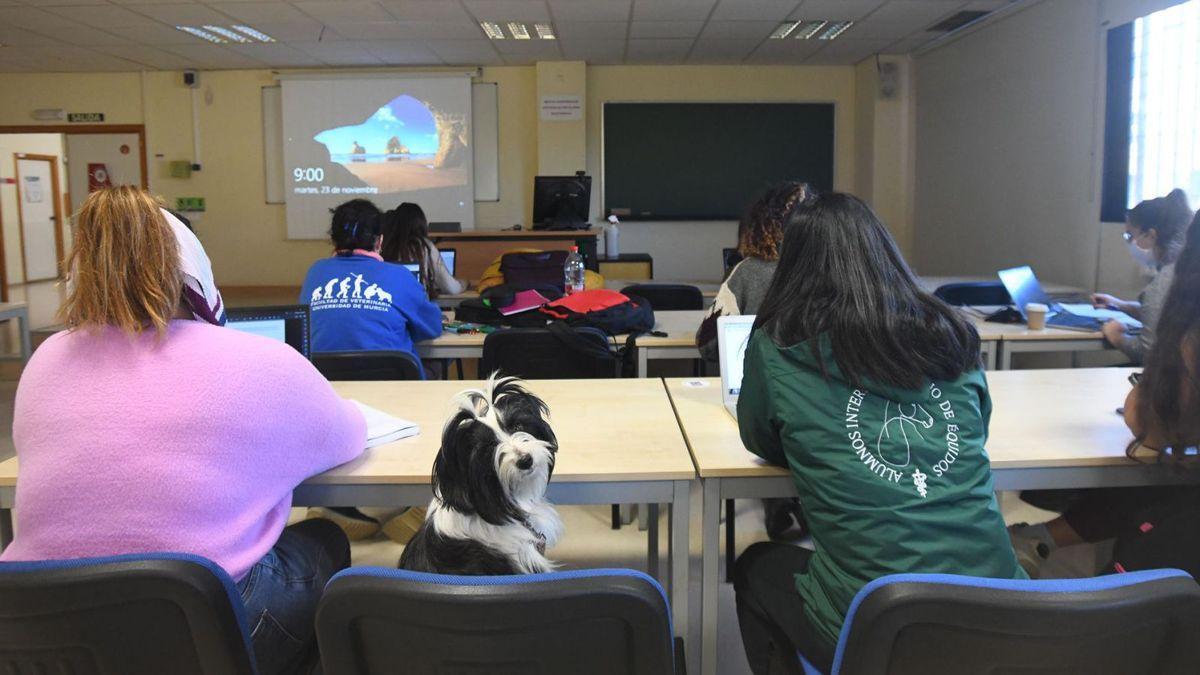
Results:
<point x="102" y="160"/>
<point x="39" y="212"/>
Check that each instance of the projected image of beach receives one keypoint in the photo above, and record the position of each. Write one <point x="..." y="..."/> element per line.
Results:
<point x="404" y="145"/>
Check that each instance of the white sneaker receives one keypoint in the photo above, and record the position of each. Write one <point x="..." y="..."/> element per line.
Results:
<point x="1031" y="551"/>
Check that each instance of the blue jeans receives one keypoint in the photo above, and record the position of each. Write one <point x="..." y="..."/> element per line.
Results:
<point x="281" y="593"/>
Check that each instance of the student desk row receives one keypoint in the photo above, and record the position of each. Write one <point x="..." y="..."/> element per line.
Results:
<point x="1049" y="429"/>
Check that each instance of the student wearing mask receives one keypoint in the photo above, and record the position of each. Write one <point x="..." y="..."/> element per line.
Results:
<point x="871" y="391"/>
<point x="1153" y="526"/>
<point x="760" y="235"/>
<point x="406" y="240"/>
<point x="359" y="302"/>
<point x="133" y="435"/>
<point x="1154" y="230"/>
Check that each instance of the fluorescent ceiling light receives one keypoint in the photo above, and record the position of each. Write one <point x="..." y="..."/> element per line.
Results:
<point x="544" y="31"/>
<point x="202" y="34"/>
<point x="807" y="29"/>
<point x="254" y="33"/>
<point x="835" y="29"/>
<point x="518" y="30"/>
<point x="492" y="29"/>
<point x="784" y="30"/>
<point x="226" y="33"/>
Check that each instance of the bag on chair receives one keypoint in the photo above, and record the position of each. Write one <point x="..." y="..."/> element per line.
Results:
<point x="610" y="312"/>
<point x="534" y="270"/>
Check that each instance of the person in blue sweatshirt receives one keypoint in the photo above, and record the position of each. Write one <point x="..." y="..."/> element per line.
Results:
<point x="358" y="301"/>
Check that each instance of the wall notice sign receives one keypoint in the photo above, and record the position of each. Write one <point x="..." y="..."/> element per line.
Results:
<point x="85" y="117"/>
<point x="562" y="107"/>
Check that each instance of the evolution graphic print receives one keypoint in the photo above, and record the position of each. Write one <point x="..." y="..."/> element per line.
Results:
<point x="902" y="428"/>
<point x="350" y="292"/>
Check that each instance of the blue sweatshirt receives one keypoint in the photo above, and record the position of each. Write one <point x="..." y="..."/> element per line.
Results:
<point x="362" y="304"/>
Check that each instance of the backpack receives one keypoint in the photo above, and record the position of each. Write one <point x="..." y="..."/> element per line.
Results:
<point x="610" y="312"/>
<point x="1161" y="533"/>
<point x="534" y="270"/>
<point x="484" y="309"/>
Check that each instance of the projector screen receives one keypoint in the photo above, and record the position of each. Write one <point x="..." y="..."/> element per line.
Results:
<point x="389" y="140"/>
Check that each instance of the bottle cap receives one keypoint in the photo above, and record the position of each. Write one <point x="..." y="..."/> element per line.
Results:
<point x="574" y="249"/>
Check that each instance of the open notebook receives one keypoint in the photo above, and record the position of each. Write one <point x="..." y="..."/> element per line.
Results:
<point x="383" y="428"/>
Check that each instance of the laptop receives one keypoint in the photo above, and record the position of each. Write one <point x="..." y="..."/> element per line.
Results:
<point x="733" y="334"/>
<point x="448" y="257"/>
<point x="286" y="323"/>
<point x="1023" y="288"/>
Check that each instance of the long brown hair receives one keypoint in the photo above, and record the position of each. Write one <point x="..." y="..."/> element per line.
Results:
<point x="406" y="240"/>
<point x="760" y="233"/>
<point x="123" y="270"/>
<point x="1168" y="404"/>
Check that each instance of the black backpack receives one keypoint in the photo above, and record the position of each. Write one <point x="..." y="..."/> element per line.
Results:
<point x="607" y="312"/>
<point x="484" y="308"/>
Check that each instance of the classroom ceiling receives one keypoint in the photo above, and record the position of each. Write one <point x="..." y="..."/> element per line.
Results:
<point x="122" y="35"/>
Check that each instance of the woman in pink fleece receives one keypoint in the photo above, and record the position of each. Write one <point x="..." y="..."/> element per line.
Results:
<point x="144" y="428"/>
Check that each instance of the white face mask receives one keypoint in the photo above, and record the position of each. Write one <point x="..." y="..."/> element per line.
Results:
<point x="1143" y="256"/>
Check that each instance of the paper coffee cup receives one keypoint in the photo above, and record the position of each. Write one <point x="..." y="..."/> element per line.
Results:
<point x="1035" y="315"/>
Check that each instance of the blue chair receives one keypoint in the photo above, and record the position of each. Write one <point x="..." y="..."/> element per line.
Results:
<point x="142" y="614"/>
<point x="601" y="621"/>
<point x="1125" y="624"/>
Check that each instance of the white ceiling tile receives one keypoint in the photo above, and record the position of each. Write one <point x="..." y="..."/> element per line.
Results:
<point x="987" y="5"/>
<point x="51" y="3"/>
<point x="508" y="10"/>
<point x="276" y="55"/>
<point x="665" y="29"/>
<point x="339" y="53"/>
<point x="570" y="31"/>
<point x="214" y="56"/>
<point x="155" y="34"/>
<point x="836" y="10"/>
<point x="594" y="51"/>
<point x="542" y="49"/>
<point x="464" y="52"/>
<point x="671" y="10"/>
<point x="412" y="30"/>
<point x="845" y="51"/>
<point x="426" y="10"/>
<point x="402" y="52"/>
<point x="262" y="12"/>
<point x="183" y="15"/>
<point x="784" y="52"/>
<point x="721" y="50"/>
<point x="146" y="56"/>
<point x="86" y="36"/>
<point x="914" y="14"/>
<point x="658" y="51"/>
<point x="103" y="16"/>
<point x="907" y="45"/>
<point x="739" y="30"/>
<point x="590" y="10"/>
<point x="307" y="31"/>
<point x="13" y="36"/>
<point x="30" y="18"/>
<point x="754" y="10"/>
<point x="343" y="10"/>
<point x="872" y="29"/>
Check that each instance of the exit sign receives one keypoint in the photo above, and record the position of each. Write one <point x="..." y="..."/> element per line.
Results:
<point x="85" y="117"/>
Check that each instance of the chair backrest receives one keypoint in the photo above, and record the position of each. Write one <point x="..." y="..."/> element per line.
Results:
<point x="609" y="622"/>
<point x="362" y="366"/>
<point x="973" y="293"/>
<point x="729" y="259"/>
<point x="539" y="354"/>
<point x="144" y="614"/>
<point x="1141" y="622"/>
<point x="667" y="297"/>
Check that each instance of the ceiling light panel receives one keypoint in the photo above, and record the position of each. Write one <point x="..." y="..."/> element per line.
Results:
<point x="492" y="30"/>
<point x="544" y="31"/>
<point x="808" y="29"/>
<point x="226" y="33"/>
<point x="784" y="30"/>
<point x="202" y="34"/>
<point x="833" y="30"/>
<point x="518" y="30"/>
<point x="254" y="33"/>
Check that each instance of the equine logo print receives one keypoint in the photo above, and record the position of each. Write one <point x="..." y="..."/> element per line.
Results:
<point x="898" y="422"/>
<point x="350" y="292"/>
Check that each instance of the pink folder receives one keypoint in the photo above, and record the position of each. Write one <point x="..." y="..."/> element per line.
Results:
<point x="523" y="302"/>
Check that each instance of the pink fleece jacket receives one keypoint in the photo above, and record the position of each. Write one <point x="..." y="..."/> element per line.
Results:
<point x="192" y="444"/>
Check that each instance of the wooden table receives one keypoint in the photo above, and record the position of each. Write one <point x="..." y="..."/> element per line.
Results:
<point x="1049" y="429"/>
<point x="643" y="459"/>
<point x="20" y="312"/>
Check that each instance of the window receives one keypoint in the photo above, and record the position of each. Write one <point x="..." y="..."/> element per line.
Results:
<point x="1164" y="134"/>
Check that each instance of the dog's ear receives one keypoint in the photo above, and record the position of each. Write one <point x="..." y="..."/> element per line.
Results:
<point x="464" y="472"/>
<point x="521" y="410"/>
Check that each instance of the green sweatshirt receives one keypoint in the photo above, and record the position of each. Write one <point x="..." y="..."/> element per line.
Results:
<point x="890" y="480"/>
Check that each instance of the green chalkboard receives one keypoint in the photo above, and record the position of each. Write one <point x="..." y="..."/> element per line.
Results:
<point x="708" y="161"/>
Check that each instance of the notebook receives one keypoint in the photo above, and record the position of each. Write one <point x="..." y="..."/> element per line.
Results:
<point x="523" y="302"/>
<point x="382" y="428"/>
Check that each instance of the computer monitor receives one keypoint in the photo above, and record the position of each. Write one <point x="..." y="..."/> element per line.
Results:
<point x="445" y="226"/>
<point x="561" y="202"/>
<point x="1023" y="288"/>
<point x="449" y="256"/>
<point x="286" y="323"/>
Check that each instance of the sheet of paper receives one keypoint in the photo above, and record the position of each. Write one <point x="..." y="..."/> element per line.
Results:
<point x="384" y="428"/>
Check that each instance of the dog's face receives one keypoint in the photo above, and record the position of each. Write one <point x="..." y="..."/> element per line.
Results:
<point x="497" y="452"/>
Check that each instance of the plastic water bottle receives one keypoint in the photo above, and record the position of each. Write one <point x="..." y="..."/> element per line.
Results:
<point x="612" y="239"/>
<point x="573" y="272"/>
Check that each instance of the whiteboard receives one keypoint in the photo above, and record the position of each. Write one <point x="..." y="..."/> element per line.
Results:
<point x="485" y="133"/>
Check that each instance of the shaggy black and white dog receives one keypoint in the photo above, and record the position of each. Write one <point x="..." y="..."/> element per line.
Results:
<point x="489" y="513"/>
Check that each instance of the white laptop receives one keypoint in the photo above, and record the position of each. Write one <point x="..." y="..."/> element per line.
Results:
<point x="733" y="334"/>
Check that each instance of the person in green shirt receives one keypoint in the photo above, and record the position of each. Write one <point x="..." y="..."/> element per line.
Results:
<point x="871" y="391"/>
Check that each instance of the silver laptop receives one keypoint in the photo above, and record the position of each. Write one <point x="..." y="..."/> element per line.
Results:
<point x="733" y="334"/>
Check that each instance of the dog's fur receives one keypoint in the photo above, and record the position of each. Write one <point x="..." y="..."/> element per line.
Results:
<point x="489" y="513"/>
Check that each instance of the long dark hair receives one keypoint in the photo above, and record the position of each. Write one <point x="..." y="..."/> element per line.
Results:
<point x="1169" y="393"/>
<point x="355" y="224"/>
<point x="405" y="237"/>
<point x="841" y="273"/>
<point x="1168" y="216"/>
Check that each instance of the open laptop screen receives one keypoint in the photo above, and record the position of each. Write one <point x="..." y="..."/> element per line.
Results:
<point x="1023" y="287"/>
<point x="285" y="323"/>
<point x="733" y="335"/>
<point x="448" y="256"/>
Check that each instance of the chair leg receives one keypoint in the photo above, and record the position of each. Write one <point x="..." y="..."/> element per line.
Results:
<point x="730" y="539"/>
<point x="458" y="363"/>
<point x="616" y="516"/>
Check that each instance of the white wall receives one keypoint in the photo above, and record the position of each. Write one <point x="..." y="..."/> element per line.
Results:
<point x="1009" y="147"/>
